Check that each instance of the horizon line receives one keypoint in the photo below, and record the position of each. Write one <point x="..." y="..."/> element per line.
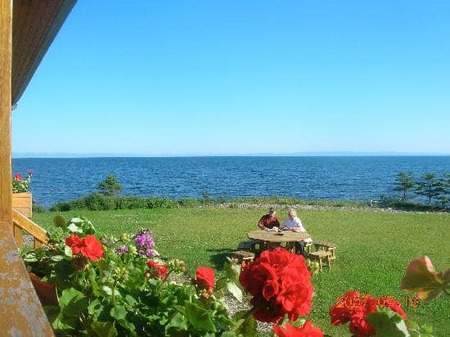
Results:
<point x="25" y="155"/>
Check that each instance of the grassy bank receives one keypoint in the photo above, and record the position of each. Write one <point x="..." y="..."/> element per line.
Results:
<point x="374" y="247"/>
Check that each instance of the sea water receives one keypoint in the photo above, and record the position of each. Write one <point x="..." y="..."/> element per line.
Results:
<point x="358" y="178"/>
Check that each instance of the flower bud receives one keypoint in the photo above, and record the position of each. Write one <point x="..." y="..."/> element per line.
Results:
<point x="133" y="250"/>
<point x="177" y="266"/>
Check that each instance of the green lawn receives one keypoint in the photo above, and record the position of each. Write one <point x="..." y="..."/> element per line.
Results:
<point x="374" y="248"/>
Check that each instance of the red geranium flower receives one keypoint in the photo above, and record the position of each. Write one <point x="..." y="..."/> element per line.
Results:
<point x="89" y="246"/>
<point x="354" y="308"/>
<point x="292" y="331"/>
<point x="280" y="284"/>
<point x="257" y="278"/>
<point x="18" y="176"/>
<point x="205" y="278"/>
<point x="159" y="270"/>
<point x="75" y="243"/>
<point x="341" y="311"/>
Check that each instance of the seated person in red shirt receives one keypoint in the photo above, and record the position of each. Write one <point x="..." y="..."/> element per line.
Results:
<point x="269" y="221"/>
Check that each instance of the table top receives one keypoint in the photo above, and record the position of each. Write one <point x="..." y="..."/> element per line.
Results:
<point x="285" y="236"/>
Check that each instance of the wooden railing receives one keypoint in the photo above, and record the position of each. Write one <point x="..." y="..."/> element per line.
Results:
<point x="21" y="223"/>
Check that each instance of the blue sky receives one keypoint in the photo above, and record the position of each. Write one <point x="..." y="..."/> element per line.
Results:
<point x="170" y="78"/>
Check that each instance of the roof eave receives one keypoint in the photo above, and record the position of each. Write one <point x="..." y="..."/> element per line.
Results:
<point x="35" y="26"/>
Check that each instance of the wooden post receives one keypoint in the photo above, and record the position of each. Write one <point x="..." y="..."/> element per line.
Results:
<point x="20" y="310"/>
<point x="5" y="111"/>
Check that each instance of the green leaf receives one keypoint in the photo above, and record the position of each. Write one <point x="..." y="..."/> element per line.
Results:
<point x="57" y="258"/>
<point x="247" y="326"/>
<point x="412" y="324"/>
<point x="95" y="308"/>
<point x="74" y="228"/>
<point x="235" y="290"/>
<point x="30" y="257"/>
<point x="130" y="300"/>
<point x="420" y="331"/>
<point x="94" y="285"/>
<point x="221" y="283"/>
<point x="128" y="326"/>
<point x="199" y="317"/>
<point x="104" y="329"/>
<point x="72" y="302"/>
<point x="388" y="323"/>
<point x="118" y="312"/>
<point x="76" y="220"/>
<point x="107" y="290"/>
<point x="232" y="269"/>
<point x="63" y="272"/>
<point x="177" y="323"/>
<point x="61" y="323"/>
<point x="68" y="251"/>
<point x="87" y="226"/>
<point x="427" y="328"/>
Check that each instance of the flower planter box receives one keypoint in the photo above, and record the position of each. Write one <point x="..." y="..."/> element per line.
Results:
<point x="23" y="202"/>
<point x="45" y="290"/>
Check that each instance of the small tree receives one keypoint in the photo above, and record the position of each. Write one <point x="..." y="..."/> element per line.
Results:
<point x="430" y="187"/>
<point x="444" y="198"/>
<point x="110" y="186"/>
<point x="404" y="182"/>
<point x="207" y="199"/>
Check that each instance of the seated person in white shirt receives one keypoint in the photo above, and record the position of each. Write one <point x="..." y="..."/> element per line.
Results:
<point x="293" y="223"/>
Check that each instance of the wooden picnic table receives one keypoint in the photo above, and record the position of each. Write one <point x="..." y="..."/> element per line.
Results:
<point x="274" y="239"/>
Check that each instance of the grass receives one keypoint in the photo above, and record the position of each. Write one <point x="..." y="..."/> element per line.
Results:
<point x="374" y="248"/>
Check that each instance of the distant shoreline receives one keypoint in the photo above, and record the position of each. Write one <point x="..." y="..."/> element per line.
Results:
<point x="318" y="154"/>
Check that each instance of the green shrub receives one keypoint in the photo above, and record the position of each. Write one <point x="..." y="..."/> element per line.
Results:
<point x="92" y="202"/>
<point x="399" y="204"/>
<point x="164" y="202"/>
<point x="221" y="199"/>
<point x="206" y="198"/>
<point x="98" y="202"/>
<point x="62" y="206"/>
<point x="130" y="202"/>
<point x="38" y="208"/>
<point x="188" y="202"/>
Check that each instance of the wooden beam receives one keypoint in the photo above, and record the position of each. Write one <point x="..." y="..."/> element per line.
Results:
<point x="20" y="310"/>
